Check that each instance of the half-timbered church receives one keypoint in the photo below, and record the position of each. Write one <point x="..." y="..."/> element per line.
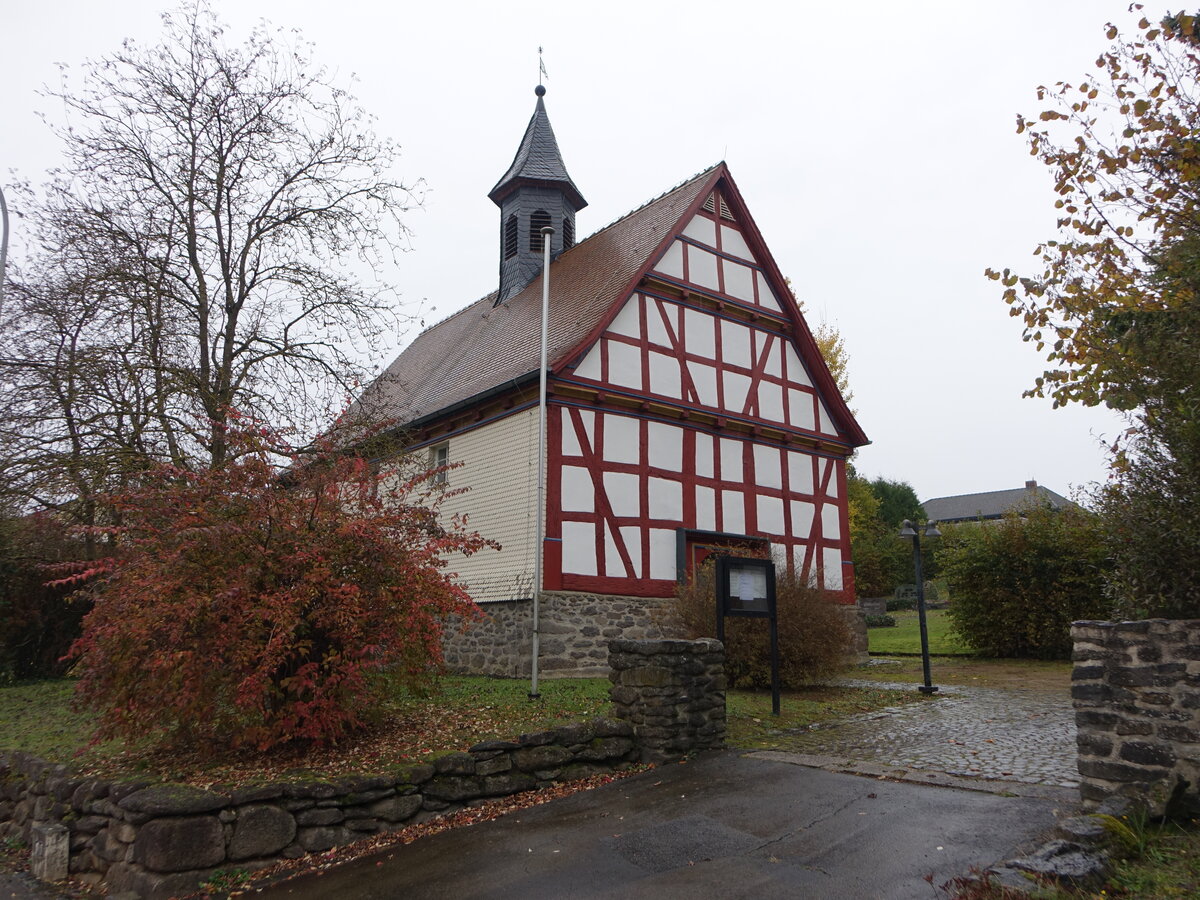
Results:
<point x="688" y="408"/>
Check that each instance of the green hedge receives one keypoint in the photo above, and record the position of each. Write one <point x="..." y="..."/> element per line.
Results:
<point x="1018" y="584"/>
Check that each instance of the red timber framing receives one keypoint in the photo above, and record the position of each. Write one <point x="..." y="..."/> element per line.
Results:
<point x="699" y="404"/>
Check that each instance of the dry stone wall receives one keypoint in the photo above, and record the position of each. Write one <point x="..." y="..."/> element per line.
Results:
<point x="672" y="693"/>
<point x="163" y="840"/>
<point x="1136" y="689"/>
<point x="575" y="631"/>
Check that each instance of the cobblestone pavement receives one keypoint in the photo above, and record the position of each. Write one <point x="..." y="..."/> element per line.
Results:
<point x="1020" y="736"/>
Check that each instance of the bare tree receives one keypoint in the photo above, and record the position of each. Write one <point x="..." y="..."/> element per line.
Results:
<point x="203" y="250"/>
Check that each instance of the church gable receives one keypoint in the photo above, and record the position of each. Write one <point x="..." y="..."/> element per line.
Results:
<point x="705" y="329"/>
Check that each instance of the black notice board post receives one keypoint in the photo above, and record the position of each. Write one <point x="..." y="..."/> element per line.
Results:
<point x="746" y="587"/>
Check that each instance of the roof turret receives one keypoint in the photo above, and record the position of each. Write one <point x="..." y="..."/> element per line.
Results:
<point x="538" y="161"/>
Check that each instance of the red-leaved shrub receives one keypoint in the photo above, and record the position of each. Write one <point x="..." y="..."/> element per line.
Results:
<point x="246" y="608"/>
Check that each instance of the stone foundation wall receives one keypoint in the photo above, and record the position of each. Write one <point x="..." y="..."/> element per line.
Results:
<point x="160" y="841"/>
<point x="1136" y="689"/>
<point x="575" y="631"/>
<point x="672" y="693"/>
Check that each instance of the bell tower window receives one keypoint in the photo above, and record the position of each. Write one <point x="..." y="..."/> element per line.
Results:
<point x="539" y="220"/>
<point x="510" y="237"/>
<point x="568" y="233"/>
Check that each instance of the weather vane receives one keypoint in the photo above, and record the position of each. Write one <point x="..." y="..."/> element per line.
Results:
<point x="541" y="67"/>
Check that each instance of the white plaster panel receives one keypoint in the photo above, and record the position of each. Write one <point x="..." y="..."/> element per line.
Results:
<point x="830" y="521"/>
<point x="800" y="472"/>
<point x="624" y="498"/>
<point x="664" y="375"/>
<point x="802" y="518"/>
<point x="826" y="422"/>
<point x="702" y="267"/>
<point x="629" y="320"/>
<point x="665" y="446"/>
<point x="662" y="554"/>
<point x="735" y="344"/>
<point x="578" y="492"/>
<point x="766" y="466"/>
<point x="625" y="365"/>
<point x="672" y="261"/>
<point x="779" y="556"/>
<point x="737" y="386"/>
<point x="632" y="535"/>
<point x="800" y="409"/>
<point x="795" y="368"/>
<point x="706" y="509"/>
<point x="733" y="512"/>
<point x="770" y="515"/>
<point x="656" y="331"/>
<point x="579" y="548"/>
<point x="665" y="498"/>
<point x="622" y="439"/>
<point x="701" y="339"/>
<point x="766" y="297"/>
<point x="613" y="565"/>
<point x="774" y="365"/>
<point x="798" y="551"/>
<point x="570" y="443"/>
<point x="704" y="377"/>
<point x="731" y="460"/>
<point x="739" y="280"/>
<point x="831" y="471"/>
<point x="704" y="455"/>
<point x="702" y="229"/>
<point x="832" y="558"/>
<point x="734" y="244"/>
<point x="589" y="366"/>
<point x="770" y="401"/>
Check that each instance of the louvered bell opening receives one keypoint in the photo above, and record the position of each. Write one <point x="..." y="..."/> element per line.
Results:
<point x="510" y="237"/>
<point x="539" y="220"/>
<point x="568" y="233"/>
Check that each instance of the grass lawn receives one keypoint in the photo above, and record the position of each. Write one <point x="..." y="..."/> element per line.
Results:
<point x="976" y="671"/>
<point x="905" y="636"/>
<point x="751" y="726"/>
<point x="37" y="717"/>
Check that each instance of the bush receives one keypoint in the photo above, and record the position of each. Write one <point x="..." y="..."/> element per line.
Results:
<point x="814" y="635"/>
<point x="246" y="609"/>
<point x="1017" y="585"/>
<point x="38" y="622"/>
<point x="880" y="621"/>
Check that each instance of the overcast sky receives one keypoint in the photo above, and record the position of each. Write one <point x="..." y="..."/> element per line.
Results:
<point x="874" y="144"/>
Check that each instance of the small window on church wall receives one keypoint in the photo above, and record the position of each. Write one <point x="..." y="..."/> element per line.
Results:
<point x="568" y="233"/>
<point x="539" y="220"/>
<point x="439" y="456"/>
<point x="510" y="237"/>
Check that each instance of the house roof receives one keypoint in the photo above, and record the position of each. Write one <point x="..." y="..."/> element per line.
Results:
<point x="538" y="161"/>
<point x="488" y="346"/>
<point x="993" y="504"/>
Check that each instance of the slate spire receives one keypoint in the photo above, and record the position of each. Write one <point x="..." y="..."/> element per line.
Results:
<point x="535" y="191"/>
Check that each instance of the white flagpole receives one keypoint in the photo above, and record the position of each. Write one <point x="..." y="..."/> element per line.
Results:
<point x="539" y="536"/>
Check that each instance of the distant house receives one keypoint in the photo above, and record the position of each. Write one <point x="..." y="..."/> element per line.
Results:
<point x="991" y="505"/>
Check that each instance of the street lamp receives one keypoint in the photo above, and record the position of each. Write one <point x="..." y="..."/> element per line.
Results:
<point x="930" y="530"/>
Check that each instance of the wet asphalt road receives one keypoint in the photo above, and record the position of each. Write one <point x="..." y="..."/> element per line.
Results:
<point x="725" y="826"/>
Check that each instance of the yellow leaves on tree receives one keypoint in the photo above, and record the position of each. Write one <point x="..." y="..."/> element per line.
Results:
<point x="1124" y="150"/>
